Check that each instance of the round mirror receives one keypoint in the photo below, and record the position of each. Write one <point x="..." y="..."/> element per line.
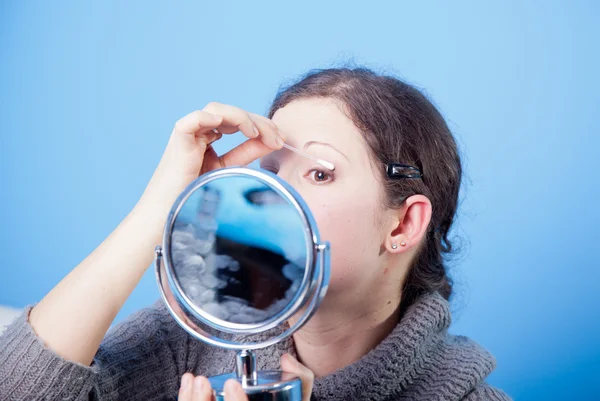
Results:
<point x="238" y="250"/>
<point x="241" y="255"/>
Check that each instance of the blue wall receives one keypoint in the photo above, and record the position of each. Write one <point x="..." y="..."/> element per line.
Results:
<point x="89" y="94"/>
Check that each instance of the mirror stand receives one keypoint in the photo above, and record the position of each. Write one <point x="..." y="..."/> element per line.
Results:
<point x="241" y="254"/>
<point x="245" y="367"/>
<point x="266" y="385"/>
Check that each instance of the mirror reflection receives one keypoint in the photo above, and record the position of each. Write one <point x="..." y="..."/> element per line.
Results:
<point x="238" y="249"/>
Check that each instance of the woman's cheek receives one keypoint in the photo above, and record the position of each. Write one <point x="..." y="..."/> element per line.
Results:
<point x="346" y="226"/>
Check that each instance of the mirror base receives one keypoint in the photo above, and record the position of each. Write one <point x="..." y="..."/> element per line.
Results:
<point x="271" y="385"/>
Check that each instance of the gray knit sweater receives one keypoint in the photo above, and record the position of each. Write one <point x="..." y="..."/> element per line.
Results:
<point x="144" y="358"/>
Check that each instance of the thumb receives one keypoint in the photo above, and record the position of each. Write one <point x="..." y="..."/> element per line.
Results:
<point x="291" y="364"/>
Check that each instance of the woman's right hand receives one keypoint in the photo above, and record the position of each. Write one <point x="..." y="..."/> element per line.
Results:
<point x="189" y="152"/>
<point x="70" y="319"/>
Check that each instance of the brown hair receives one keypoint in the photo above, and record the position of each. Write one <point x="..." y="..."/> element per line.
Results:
<point x="399" y="125"/>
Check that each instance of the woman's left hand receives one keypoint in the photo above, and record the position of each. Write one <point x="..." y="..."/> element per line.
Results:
<point x="199" y="389"/>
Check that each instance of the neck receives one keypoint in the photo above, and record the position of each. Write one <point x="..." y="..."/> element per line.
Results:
<point x="332" y="340"/>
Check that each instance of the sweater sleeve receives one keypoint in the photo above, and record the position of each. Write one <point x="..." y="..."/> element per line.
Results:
<point x="485" y="392"/>
<point x="141" y="358"/>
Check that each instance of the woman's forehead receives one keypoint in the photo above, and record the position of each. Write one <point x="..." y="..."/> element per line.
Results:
<point x="320" y="120"/>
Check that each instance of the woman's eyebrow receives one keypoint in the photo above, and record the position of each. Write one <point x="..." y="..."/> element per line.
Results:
<point x="310" y="143"/>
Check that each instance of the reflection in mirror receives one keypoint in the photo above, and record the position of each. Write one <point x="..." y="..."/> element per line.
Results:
<point x="238" y="249"/>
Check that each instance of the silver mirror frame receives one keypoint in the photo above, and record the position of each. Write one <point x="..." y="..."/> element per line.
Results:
<point x="311" y="292"/>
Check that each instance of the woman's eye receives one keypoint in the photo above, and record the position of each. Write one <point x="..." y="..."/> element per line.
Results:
<point x="319" y="176"/>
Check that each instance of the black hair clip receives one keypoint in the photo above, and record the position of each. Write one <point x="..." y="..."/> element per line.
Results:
<point x="400" y="171"/>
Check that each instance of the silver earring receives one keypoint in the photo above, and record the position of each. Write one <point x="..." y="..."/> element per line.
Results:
<point x="394" y="245"/>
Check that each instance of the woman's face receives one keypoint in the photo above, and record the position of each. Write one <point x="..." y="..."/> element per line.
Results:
<point x="346" y="203"/>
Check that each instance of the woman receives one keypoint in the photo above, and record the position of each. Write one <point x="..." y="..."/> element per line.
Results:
<point x="381" y="331"/>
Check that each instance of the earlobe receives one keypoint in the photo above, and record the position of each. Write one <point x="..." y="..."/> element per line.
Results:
<point x="411" y="223"/>
<point x="395" y="245"/>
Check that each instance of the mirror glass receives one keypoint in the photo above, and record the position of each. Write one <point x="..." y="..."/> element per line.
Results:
<point x="239" y="249"/>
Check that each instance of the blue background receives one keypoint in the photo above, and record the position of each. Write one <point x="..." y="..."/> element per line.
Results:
<point x="89" y="93"/>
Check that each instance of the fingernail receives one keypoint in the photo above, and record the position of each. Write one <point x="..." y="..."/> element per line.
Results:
<point x="198" y="384"/>
<point x="185" y="382"/>
<point x="256" y="132"/>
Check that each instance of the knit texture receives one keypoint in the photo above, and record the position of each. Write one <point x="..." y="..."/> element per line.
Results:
<point x="144" y="358"/>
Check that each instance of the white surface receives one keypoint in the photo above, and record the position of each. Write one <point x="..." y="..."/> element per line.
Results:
<point x="7" y="315"/>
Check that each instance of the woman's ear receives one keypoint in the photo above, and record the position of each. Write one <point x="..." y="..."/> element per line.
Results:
<point x="409" y="225"/>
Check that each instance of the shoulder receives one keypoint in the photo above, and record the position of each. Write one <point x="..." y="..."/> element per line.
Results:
<point x="146" y="354"/>
<point x="484" y="392"/>
<point x="153" y="334"/>
<point x="145" y="331"/>
<point x="472" y="363"/>
<point x="152" y="319"/>
<point x="449" y="364"/>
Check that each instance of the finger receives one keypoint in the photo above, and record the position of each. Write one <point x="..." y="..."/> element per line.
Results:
<point x="268" y="131"/>
<point x="198" y="122"/>
<point x="291" y="364"/>
<point x="236" y="119"/>
<point x="185" y="390"/>
<point x="202" y="390"/>
<point x="211" y="161"/>
<point x="266" y="120"/>
<point x="213" y="135"/>
<point x="245" y="153"/>
<point x="234" y="391"/>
